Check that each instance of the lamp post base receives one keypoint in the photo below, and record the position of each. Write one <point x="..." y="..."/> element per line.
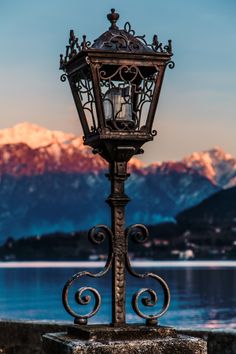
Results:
<point x="153" y="343"/>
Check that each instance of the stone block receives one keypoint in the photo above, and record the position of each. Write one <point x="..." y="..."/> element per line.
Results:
<point x="63" y="343"/>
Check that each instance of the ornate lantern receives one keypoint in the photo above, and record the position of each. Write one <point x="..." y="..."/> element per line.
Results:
<point x="116" y="84"/>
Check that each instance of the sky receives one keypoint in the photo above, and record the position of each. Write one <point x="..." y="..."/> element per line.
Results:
<point x="196" y="110"/>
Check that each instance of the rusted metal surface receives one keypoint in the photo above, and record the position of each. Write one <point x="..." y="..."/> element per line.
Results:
<point x="140" y="234"/>
<point x="96" y="235"/>
<point x="117" y="60"/>
<point x="116" y="84"/>
<point x="118" y="262"/>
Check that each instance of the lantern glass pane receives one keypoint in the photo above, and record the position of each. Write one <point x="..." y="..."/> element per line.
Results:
<point x="117" y="103"/>
<point x="86" y="95"/>
<point x="126" y="93"/>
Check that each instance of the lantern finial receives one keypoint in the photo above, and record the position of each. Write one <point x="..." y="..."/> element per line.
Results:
<point x="113" y="18"/>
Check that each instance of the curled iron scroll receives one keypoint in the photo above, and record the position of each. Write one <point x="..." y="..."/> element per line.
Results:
<point x="170" y="64"/>
<point x="154" y="132"/>
<point x="139" y="233"/>
<point x="83" y="295"/>
<point x="63" y="77"/>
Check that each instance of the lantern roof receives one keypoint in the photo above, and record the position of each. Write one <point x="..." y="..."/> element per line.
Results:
<point x="117" y="40"/>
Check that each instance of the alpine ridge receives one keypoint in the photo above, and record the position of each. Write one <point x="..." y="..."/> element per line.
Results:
<point x="215" y="164"/>
<point x="50" y="181"/>
<point x="28" y="150"/>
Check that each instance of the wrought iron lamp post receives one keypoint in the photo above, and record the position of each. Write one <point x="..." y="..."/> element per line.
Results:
<point x="116" y="83"/>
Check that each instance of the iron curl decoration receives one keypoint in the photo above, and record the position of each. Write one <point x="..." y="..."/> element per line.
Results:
<point x="96" y="235"/>
<point x="120" y="41"/>
<point x="156" y="46"/>
<point x="123" y="125"/>
<point x="128" y="29"/>
<point x="170" y="64"/>
<point x="168" y="47"/>
<point x="85" y="44"/>
<point x="63" y="77"/>
<point x="139" y="233"/>
<point x="154" y="132"/>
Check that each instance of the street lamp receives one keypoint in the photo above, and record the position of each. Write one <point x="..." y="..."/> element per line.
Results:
<point x="116" y="83"/>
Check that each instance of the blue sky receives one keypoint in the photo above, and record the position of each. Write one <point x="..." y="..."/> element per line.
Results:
<point x="197" y="104"/>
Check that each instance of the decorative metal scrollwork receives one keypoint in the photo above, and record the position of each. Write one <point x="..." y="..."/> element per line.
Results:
<point x="85" y="92"/>
<point x="170" y="64"/>
<point x="139" y="233"/>
<point x="63" y="77"/>
<point x="128" y="29"/>
<point x="147" y="296"/>
<point x="73" y="48"/>
<point x="154" y="132"/>
<point x="139" y="93"/>
<point x="85" y="44"/>
<point x="97" y="235"/>
<point x="114" y="39"/>
<point x="156" y="46"/>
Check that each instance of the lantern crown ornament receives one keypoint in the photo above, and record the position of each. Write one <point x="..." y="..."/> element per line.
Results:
<point x="116" y="83"/>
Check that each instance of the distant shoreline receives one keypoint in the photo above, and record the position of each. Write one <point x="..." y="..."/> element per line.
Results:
<point x="139" y="264"/>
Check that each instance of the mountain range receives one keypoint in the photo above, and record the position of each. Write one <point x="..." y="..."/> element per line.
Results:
<point x="218" y="211"/>
<point x="50" y="181"/>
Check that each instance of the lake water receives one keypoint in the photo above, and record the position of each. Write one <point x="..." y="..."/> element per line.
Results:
<point x="202" y="294"/>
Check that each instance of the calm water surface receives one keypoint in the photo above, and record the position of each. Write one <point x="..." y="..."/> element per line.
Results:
<point x="201" y="297"/>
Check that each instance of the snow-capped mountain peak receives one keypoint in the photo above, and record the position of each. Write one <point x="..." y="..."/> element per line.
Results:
<point x="215" y="164"/>
<point x="50" y="181"/>
<point x="34" y="136"/>
<point x="29" y="149"/>
<point x="41" y="150"/>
